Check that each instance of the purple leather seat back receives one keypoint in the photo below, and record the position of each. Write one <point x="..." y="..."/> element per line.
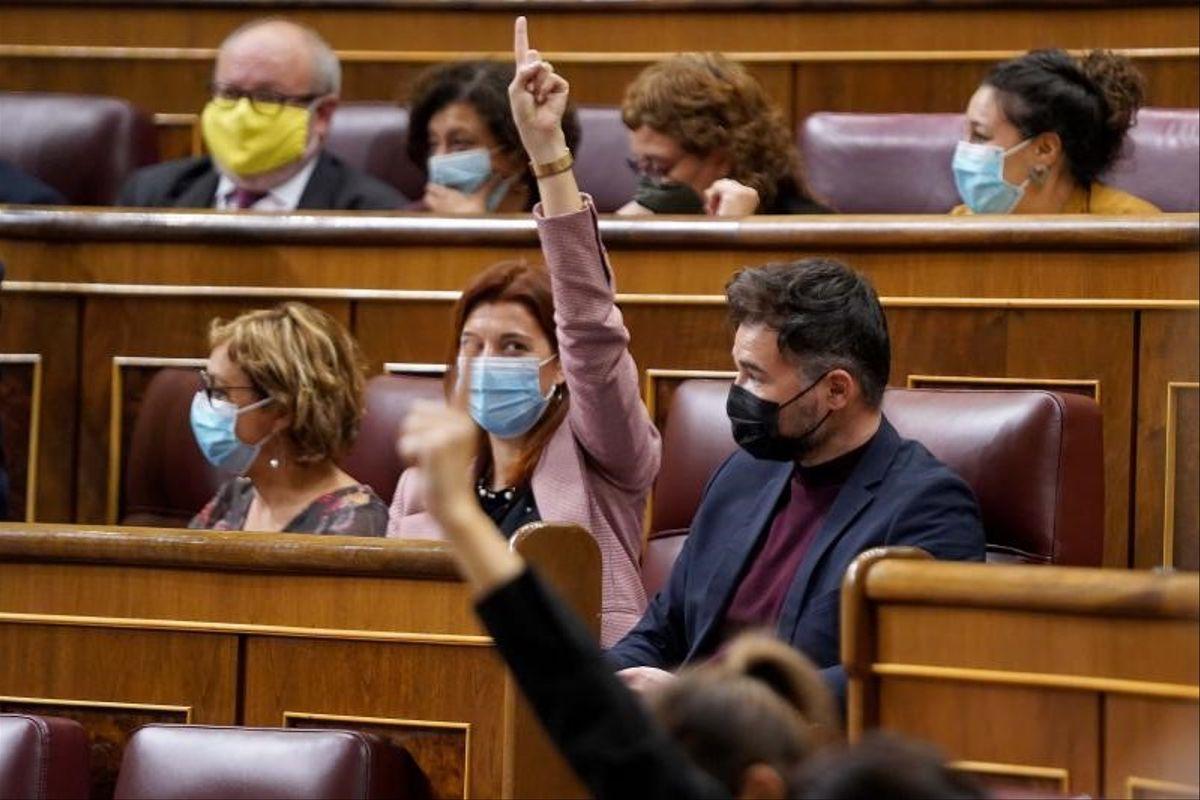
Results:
<point x="167" y="762"/>
<point x="900" y="163"/>
<point x="43" y="758"/>
<point x="881" y="163"/>
<point x="167" y="479"/>
<point x="600" y="160"/>
<point x="1162" y="159"/>
<point x="371" y="137"/>
<point x="373" y="458"/>
<point x="83" y="146"/>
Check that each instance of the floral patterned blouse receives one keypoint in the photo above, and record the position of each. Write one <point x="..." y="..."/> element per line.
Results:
<point x="350" y="511"/>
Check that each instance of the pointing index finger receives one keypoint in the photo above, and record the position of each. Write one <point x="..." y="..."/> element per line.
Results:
<point x="521" y="41"/>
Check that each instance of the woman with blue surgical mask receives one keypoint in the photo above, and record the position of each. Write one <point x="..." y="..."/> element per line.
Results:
<point x="543" y="354"/>
<point x="1042" y="130"/>
<point x="279" y="399"/>
<point x="462" y="133"/>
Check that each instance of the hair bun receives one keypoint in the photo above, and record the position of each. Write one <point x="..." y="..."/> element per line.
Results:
<point x="1119" y="83"/>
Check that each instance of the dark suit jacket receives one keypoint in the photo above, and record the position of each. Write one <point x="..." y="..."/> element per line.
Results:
<point x="192" y="183"/>
<point x="898" y="494"/>
<point x="17" y="186"/>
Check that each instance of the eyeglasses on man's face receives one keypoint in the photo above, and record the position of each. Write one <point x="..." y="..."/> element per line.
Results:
<point x="263" y="101"/>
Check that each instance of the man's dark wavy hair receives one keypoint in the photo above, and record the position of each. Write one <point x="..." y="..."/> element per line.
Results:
<point x="826" y="314"/>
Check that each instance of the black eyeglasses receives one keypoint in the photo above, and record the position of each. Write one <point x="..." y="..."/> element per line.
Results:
<point x="650" y="169"/>
<point x="262" y="101"/>
<point x="214" y="392"/>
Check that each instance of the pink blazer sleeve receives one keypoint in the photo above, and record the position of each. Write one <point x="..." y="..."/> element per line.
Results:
<point x="607" y="415"/>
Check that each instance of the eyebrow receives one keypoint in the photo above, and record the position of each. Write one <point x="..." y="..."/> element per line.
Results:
<point x="749" y="366"/>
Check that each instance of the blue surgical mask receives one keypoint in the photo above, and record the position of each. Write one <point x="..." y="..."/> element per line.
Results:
<point x="214" y="423"/>
<point x="979" y="176"/>
<point x="467" y="170"/>
<point x="506" y="397"/>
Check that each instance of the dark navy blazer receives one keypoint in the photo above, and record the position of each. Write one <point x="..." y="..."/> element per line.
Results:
<point x="898" y="494"/>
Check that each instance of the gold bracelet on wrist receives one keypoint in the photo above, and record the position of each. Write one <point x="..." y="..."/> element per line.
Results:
<point x="560" y="164"/>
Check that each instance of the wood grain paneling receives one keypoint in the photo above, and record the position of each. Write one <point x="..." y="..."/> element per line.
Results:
<point x="1028" y="668"/>
<point x="49" y="328"/>
<point x="379" y="635"/>
<point x="1181" y="527"/>
<point x="400" y="682"/>
<point x="20" y="398"/>
<point x="645" y="26"/>
<point x="1010" y="727"/>
<point x="112" y="682"/>
<point x="1149" y="741"/>
<point x="1167" y="354"/>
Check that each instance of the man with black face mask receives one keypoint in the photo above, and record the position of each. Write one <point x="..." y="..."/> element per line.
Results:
<point x="821" y="477"/>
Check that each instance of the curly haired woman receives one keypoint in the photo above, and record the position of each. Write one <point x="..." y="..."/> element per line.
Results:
<point x="706" y="140"/>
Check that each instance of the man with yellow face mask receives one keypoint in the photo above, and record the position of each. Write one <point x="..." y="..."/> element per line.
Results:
<point x="274" y="91"/>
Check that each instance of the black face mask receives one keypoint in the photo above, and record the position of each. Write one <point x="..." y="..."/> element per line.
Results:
<point x="756" y="425"/>
<point x="667" y="197"/>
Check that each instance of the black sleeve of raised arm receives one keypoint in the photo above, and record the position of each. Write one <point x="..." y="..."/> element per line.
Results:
<point x="598" y="724"/>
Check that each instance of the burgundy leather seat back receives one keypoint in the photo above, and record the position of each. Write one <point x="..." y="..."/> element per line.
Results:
<point x="1033" y="458"/>
<point x="373" y="459"/>
<point x="881" y="163"/>
<point x="83" y="146"/>
<point x="43" y="758"/>
<point x="900" y="163"/>
<point x="1162" y="159"/>
<point x="600" y="163"/>
<point x="167" y="479"/>
<point x="371" y="137"/>
<point x="165" y="762"/>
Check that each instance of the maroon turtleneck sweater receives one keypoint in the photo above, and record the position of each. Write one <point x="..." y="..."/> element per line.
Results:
<point x="764" y="585"/>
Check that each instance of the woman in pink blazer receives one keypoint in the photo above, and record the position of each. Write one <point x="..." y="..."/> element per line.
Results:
<point x="564" y="436"/>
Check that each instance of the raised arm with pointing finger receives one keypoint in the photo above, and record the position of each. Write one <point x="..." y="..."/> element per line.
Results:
<point x="594" y="450"/>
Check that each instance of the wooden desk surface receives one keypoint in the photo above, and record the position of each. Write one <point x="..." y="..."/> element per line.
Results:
<point x="1058" y="679"/>
<point x="119" y="627"/>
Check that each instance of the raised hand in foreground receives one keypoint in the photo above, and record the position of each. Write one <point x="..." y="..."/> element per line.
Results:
<point x="442" y="441"/>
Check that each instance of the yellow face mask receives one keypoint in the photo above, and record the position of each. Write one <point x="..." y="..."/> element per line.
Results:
<point x="250" y="139"/>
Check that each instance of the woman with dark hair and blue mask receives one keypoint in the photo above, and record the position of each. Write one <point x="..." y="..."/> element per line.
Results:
<point x="280" y="398"/>
<point x="1041" y="131"/>
<point x="461" y="130"/>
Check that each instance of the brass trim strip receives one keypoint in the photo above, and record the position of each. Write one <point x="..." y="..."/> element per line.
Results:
<point x="53" y="701"/>
<point x="35" y="426"/>
<point x="1168" y="535"/>
<point x="112" y="503"/>
<point x="1077" y="682"/>
<point x="1062" y="776"/>
<point x="1094" y="383"/>
<point x="1133" y="783"/>
<point x="195" y="626"/>
<point x="465" y="727"/>
<point x="449" y="296"/>
<point x="781" y="58"/>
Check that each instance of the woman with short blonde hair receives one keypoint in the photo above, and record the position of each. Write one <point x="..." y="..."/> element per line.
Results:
<point x="281" y="399"/>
